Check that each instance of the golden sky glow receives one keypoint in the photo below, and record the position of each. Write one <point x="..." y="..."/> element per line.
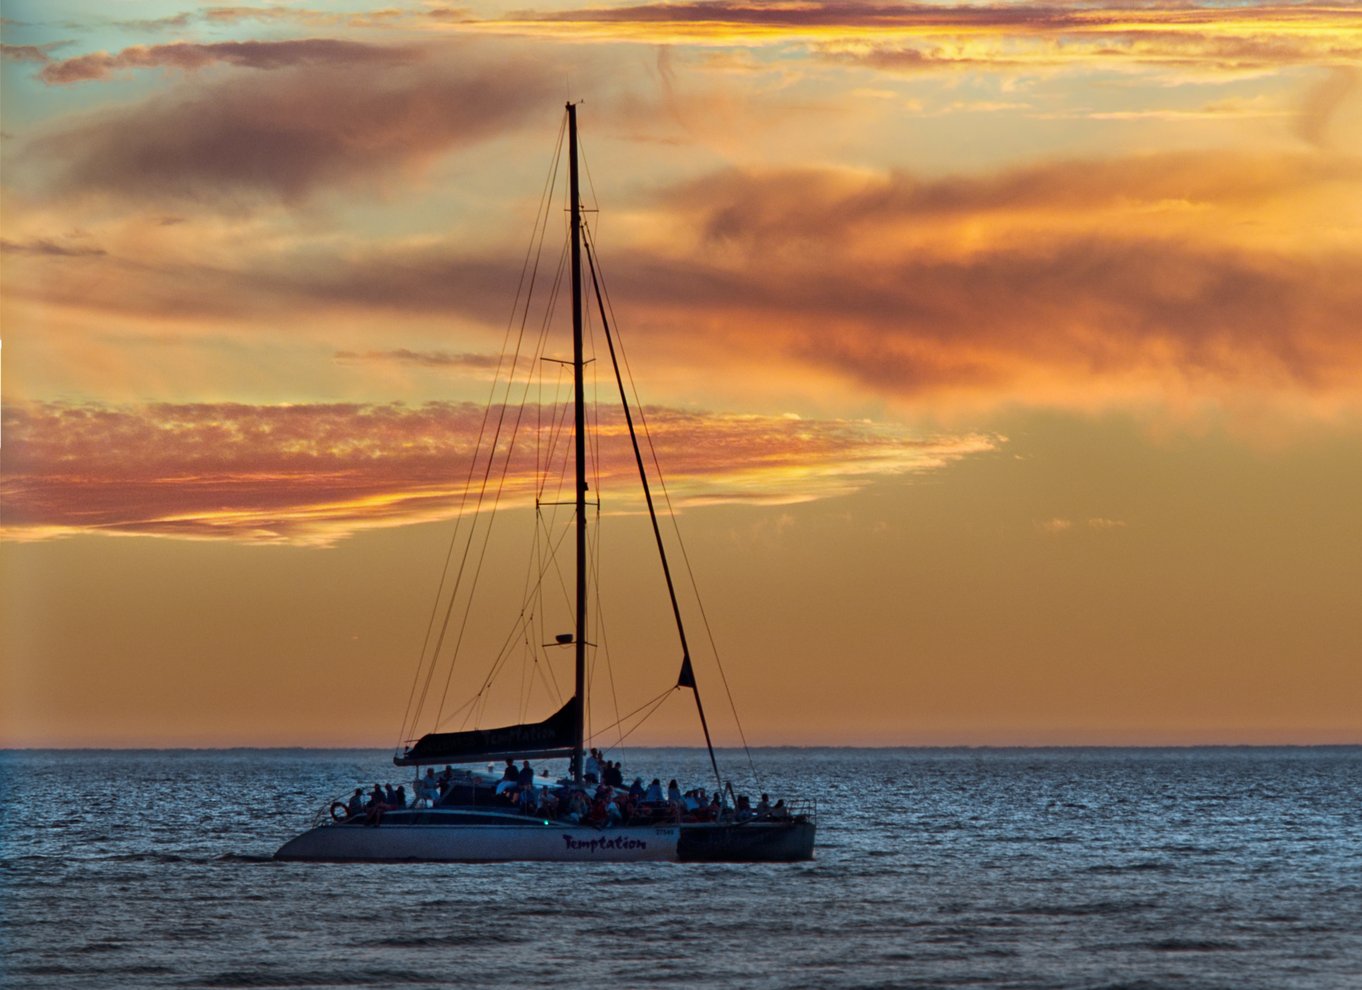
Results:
<point x="1005" y="359"/>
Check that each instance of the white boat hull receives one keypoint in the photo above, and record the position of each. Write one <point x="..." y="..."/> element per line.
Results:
<point x="483" y="844"/>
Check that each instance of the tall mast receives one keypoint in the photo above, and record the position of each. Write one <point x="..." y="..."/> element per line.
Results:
<point x="579" y="423"/>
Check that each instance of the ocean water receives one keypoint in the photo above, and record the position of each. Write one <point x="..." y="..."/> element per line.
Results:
<point x="1024" y="868"/>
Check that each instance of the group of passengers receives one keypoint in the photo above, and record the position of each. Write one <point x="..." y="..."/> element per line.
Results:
<point x="600" y="800"/>
<point x="384" y="797"/>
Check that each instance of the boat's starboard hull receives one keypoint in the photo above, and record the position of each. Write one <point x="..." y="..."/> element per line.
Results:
<point x="747" y="842"/>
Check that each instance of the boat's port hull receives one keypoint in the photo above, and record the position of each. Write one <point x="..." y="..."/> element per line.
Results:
<point x="553" y="842"/>
<point x="482" y="844"/>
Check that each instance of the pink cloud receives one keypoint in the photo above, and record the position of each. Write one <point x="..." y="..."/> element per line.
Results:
<point x="188" y="57"/>
<point x="315" y="473"/>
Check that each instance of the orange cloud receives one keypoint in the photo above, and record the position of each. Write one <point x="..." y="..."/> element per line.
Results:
<point x="1088" y="281"/>
<point x="312" y="474"/>
<point x="1178" y="268"/>
<point x="917" y="36"/>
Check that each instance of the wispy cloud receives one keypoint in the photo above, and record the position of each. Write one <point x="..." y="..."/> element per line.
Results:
<point x="29" y="53"/>
<point x="42" y="246"/>
<point x="188" y="57"/>
<point x="311" y="474"/>
<point x="1059" y="525"/>
<point x="425" y="359"/>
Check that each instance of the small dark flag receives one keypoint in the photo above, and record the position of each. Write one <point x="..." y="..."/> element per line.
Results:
<point x="687" y="678"/>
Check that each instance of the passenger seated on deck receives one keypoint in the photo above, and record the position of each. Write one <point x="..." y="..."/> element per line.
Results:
<point x="389" y="796"/>
<point x="535" y="805"/>
<point x="591" y="770"/>
<point x="780" y="812"/>
<point x="525" y="778"/>
<point x="548" y="804"/>
<point x="577" y="807"/>
<point x="673" y="793"/>
<point x="356" y="805"/>
<point x="744" y="810"/>
<point x="636" y="788"/>
<point x="614" y="774"/>
<point x="377" y="799"/>
<point x="653" y="795"/>
<point x="764" y="806"/>
<point x="510" y="773"/>
<point x="704" y="811"/>
<point x="400" y="797"/>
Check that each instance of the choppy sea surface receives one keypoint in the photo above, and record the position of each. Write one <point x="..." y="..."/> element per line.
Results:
<point x="1027" y="868"/>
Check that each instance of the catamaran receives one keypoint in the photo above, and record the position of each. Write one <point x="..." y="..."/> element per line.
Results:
<point x="478" y="814"/>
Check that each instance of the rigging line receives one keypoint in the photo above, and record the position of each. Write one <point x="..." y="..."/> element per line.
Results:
<point x="553" y="559"/>
<point x="535" y="599"/>
<point x="523" y="623"/>
<point x="545" y="443"/>
<point x="651" y="712"/>
<point x="556" y="428"/>
<point x="604" y="295"/>
<point x="504" y="651"/>
<point x="496" y="501"/>
<point x="528" y="614"/>
<point x="550" y="523"/>
<point x="535" y="249"/>
<point x="536" y="670"/>
<point x="687" y="671"/>
<point x="521" y="701"/>
<point x="543" y="435"/>
<point x="596" y="542"/>
<point x="482" y="557"/>
<point x="560" y="431"/>
<point x="528" y="269"/>
<point x="592" y="439"/>
<point x="651" y="701"/>
<point x="410" y="717"/>
<point x="605" y="639"/>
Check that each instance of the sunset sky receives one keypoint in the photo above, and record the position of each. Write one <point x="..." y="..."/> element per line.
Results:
<point x="1005" y="359"/>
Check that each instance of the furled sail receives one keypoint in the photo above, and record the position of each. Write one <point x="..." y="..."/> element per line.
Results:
<point x="553" y="737"/>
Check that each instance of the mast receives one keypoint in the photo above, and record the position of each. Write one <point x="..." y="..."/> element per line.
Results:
<point x="579" y="426"/>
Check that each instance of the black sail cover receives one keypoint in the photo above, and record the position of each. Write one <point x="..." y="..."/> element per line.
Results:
<point x="555" y="736"/>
